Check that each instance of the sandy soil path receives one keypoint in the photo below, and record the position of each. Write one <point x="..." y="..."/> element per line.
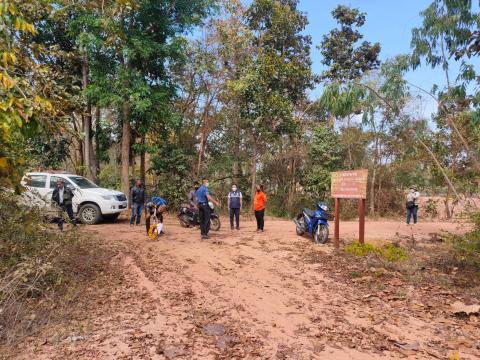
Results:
<point x="243" y="295"/>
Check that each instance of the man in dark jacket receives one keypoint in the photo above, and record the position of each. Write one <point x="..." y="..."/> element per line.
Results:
<point x="63" y="196"/>
<point x="137" y="199"/>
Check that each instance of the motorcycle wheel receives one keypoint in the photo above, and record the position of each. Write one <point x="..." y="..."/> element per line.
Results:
<point x="300" y="232"/>
<point x="184" y="221"/>
<point x="215" y="224"/>
<point x="320" y="235"/>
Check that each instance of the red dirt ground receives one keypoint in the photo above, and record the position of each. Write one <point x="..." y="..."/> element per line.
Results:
<point x="243" y="295"/>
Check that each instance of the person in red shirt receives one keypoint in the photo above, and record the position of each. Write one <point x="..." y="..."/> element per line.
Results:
<point x="259" y="202"/>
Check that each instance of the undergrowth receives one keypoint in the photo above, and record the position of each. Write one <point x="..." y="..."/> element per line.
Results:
<point x="466" y="247"/>
<point x="390" y="252"/>
<point x="41" y="268"/>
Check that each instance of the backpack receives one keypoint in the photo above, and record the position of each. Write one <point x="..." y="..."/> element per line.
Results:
<point x="158" y="201"/>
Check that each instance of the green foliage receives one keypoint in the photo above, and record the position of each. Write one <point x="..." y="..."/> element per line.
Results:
<point x="390" y="252"/>
<point x="29" y="92"/>
<point x="173" y="181"/>
<point x="48" y="152"/>
<point x="325" y="157"/>
<point x="109" y="177"/>
<point x="357" y="249"/>
<point x="276" y="77"/>
<point x="466" y="248"/>
<point x="430" y="208"/>
<point x="346" y="62"/>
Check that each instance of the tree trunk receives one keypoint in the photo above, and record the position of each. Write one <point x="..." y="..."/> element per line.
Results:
<point x="373" y="178"/>
<point x="87" y="121"/>
<point x="201" y="151"/>
<point x="440" y="167"/>
<point x="203" y="136"/>
<point x="448" y="213"/>
<point x="254" y="166"/>
<point x="125" y="148"/>
<point x="77" y="129"/>
<point x="142" y="161"/>
<point x="97" y="142"/>
<point x="236" y="154"/>
<point x="472" y="154"/>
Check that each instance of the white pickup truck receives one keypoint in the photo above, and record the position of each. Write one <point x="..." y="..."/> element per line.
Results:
<point x="91" y="203"/>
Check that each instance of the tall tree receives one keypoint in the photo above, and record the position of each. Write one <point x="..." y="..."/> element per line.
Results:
<point x="279" y="73"/>
<point x="446" y="29"/>
<point x="139" y="41"/>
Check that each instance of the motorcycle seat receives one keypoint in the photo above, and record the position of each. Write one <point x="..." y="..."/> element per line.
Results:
<point x="308" y="212"/>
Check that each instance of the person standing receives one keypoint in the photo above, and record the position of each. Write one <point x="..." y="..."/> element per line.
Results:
<point x="235" y="202"/>
<point x="63" y="196"/>
<point x="137" y="199"/>
<point x="412" y="204"/>
<point x="192" y="201"/>
<point x="259" y="202"/>
<point x="203" y="197"/>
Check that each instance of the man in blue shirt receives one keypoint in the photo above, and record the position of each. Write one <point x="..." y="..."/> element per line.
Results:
<point x="203" y="197"/>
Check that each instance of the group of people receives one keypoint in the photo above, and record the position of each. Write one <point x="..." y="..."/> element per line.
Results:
<point x="198" y="199"/>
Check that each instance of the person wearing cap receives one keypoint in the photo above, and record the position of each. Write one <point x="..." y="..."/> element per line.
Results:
<point x="204" y="211"/>
<point x="412" y="204"/>
<point x="62" y="196"/>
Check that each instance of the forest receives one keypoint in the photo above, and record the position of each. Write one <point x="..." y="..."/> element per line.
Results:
<point x="223" y="89"/>
<point x="171" y="91"/>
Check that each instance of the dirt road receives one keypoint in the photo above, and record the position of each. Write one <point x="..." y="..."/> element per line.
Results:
<point x="243" y="295"/>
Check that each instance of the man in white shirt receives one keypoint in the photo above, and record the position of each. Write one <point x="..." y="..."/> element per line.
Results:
<point x="412" y="204"/>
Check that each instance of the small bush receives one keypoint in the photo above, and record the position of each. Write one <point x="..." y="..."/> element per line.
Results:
<point x="393" y="253"/>
<point x="466" y="248"/>
<point x="357" y="249"/>
<point x="390" y="252"/>
<point x="109" y="177"/>
<point x="431" y="208"/>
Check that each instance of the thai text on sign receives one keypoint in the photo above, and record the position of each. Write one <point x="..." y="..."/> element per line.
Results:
<point x="350" y="184"/>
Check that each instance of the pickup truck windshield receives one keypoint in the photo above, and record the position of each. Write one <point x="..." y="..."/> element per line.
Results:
<point x="82" y="183"/>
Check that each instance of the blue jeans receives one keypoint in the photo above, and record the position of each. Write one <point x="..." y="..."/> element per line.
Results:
<point x="136" y="213"/>
<point x="412" y="212"/>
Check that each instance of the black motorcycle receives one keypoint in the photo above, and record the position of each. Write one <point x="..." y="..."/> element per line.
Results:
<point x="189" y="218"/>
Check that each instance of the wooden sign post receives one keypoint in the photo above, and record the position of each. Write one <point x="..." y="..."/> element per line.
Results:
<point x="350" y="185"/>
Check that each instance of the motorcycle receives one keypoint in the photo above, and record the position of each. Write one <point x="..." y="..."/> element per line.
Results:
<point x="315" y="223"/>
<point x="189" y="218"/>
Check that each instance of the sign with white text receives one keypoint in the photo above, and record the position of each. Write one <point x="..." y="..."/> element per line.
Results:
<point x="350" y="184"/>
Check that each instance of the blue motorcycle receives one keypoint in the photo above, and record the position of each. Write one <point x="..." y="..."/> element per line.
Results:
<point x="314" y="223"/>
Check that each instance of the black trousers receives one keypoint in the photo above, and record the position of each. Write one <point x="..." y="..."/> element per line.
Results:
<point x="68" y="208"/>
<point x="259" y="215"/>
<point x="235" y="213"/>
<point x="204" y="213"/>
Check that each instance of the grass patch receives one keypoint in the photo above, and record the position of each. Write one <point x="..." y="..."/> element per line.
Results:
<point x="390" y="252"/>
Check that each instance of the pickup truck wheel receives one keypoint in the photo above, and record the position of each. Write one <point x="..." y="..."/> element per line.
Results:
<point x="89" y="214"/>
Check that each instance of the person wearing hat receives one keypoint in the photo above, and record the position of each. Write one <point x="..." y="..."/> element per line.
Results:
<point x="412" y="204"/>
